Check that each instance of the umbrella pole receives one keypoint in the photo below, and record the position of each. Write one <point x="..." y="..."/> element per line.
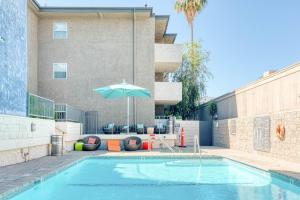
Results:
<point x="127" y="115"/>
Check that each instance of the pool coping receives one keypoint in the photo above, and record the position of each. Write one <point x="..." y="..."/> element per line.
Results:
<point x="12" y="192"/>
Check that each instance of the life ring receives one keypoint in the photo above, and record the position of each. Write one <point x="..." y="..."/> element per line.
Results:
<point x="280" y="132"/>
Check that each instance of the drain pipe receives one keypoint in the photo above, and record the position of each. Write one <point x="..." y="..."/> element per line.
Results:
<point x="133" y="61"/>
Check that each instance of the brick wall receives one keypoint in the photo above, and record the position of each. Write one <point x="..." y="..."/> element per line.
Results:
<point x="191" y="128"/>
<point x="17" y="137"/>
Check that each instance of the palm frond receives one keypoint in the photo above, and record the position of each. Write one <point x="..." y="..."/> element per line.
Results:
<point x="190" y="8"/>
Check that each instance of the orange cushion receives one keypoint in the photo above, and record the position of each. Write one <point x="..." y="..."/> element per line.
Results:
<point x="132" y="142"/>
<point x="113" y="145"/>
<point x="91" y="141"/>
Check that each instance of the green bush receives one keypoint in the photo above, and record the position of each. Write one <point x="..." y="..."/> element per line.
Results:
<point x="213" y="109"/>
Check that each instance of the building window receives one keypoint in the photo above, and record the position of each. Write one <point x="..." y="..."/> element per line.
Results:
<point x="60" y="30"/>
<point x="60" y="70"/>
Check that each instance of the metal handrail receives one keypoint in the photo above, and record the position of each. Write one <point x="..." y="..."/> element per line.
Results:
<point x="63" y="132"/>
<point x="153" y="137"/>
<point x="167" y="145"/>
<point x="197" y="146"/>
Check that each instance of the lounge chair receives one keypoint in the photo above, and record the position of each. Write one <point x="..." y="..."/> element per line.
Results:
<point x="91" y="143"/>
<point x="140" y="129"/>
<point x="123" y="129"/>
<point x="113" y="145"/>
<point x="132" y="143"/>
<point x="110" y="129"/>
<point x="160" y="129"/>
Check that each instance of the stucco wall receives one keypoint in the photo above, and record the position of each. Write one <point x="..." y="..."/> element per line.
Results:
<point x="240" y="135"/>
<point x="99" y="52"/>
<point x="13" y="70"/>
<point x="32" y="53"/>
<point x="276" y="93"/>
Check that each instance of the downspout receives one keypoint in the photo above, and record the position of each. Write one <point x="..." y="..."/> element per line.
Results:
<point x="133" y="61"/>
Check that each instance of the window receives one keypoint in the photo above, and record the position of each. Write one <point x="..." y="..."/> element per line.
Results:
<point x="60" y="70"/>
<point x="60" y="30"/>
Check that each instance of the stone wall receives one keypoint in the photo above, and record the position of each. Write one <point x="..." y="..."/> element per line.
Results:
<point x="238" y="134"/>
<point x="13" y="70"/>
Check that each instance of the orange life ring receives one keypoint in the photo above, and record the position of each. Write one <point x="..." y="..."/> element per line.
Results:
<point x="280" y="132"/>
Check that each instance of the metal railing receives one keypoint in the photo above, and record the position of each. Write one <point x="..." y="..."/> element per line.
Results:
<point x="162" y="117"/>
<point x="197" y="148"/>
<point x="65" y="112"/>
<point x="39" y="107"/>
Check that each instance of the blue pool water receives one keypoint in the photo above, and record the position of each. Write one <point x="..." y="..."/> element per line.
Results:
<point x="161" y="179"/>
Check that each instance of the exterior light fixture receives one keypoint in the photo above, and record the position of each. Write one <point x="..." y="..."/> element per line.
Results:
<point x="216" y="117"/>
<point x="2" y="40"/>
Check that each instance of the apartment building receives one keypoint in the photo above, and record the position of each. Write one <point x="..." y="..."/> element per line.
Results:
<point x="71" y="51"/>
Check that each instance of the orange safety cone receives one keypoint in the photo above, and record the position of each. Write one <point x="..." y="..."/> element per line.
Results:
<point x="182" y="139"/>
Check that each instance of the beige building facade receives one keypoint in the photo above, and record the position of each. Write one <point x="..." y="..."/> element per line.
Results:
<point x="96" y="47"/>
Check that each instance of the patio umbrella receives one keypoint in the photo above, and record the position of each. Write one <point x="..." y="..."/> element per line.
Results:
<point x="123" y="90"/>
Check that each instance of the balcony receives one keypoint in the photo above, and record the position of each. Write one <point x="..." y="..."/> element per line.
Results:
<point x="168" y="57"/>
<point x="167" y="93"/>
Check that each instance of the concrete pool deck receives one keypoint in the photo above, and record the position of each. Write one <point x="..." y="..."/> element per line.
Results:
<point x="15" y="177"/>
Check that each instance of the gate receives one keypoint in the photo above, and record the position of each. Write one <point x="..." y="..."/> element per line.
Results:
<point x="205" y="133"/>
<point x="91" y="122"/>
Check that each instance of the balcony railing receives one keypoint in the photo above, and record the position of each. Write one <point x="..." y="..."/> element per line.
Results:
<point x="64" y="112"/>
<point x="40" y="107"/>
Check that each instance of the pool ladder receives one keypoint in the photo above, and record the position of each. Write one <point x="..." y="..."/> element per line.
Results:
<point x="166" y="144"/>
<point x="161" y="142"/>
<point x="197" y="149"/>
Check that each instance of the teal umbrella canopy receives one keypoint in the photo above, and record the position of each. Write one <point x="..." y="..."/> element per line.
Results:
<point x="122" y="90"/>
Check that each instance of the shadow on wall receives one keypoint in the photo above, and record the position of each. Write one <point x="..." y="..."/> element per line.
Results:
<point x="226" y="105"/>
<point x="220" y="130"/>
<point x="221" y="137"/>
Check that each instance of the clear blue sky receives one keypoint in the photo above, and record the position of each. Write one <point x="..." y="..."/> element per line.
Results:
<point x="244" y="37"/>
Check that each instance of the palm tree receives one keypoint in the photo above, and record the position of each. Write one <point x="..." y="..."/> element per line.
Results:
<point x="190" y="8"/>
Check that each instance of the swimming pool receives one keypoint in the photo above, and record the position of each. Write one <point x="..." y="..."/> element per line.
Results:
<point x="161" y="178"/>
